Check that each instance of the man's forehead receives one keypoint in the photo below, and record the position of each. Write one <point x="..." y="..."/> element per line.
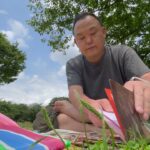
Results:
<point x="87" y="23"/>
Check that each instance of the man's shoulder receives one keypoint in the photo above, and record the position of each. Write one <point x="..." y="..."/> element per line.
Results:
<point x="76" y="60"/>
<point x="75" y="63"/>
<point x="118" y="50"/>
<point x="118" y="47"/>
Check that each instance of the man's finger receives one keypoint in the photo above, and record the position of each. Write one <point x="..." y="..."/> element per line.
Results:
<point x="129" y="85"/>
<point x="106" y="105"/>
<point x="139" y="98"/>
<point x="146" y="104"/>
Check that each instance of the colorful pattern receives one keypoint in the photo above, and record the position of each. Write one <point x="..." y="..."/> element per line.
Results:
<point x="13" y="140"/>
<point x="16" y="138"/>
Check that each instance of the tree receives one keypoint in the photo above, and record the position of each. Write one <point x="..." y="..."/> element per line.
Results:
<point x="11" y="60"/>
<point x="34" y="109"/>
<point x="128" y="22"/>
<point x="19" y="112"/>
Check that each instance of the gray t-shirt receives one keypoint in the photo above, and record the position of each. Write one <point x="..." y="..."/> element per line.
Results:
<point x="119" y="63"/>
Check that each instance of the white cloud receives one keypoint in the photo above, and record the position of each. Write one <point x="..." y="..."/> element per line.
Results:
<point x="22" y="43"/>
<point x="60" y="58"/>
<point x="40" y="62"/>
<point x="17" y="33"/>
<point x="3" y="12"/>
<point x="62" y="71"/>
<point x="10" y="35"/>
<point x="33" y="89"/>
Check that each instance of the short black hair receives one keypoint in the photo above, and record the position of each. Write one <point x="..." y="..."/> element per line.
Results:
<point x="84" y="15"/>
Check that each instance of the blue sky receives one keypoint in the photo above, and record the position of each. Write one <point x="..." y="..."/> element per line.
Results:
<point x="44" y="77"/>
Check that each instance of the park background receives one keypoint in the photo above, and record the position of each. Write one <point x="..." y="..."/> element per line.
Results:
<point x="43" y="78"/>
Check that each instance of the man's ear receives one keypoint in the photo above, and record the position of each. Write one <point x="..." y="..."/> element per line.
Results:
<point x="104" y="30"/>
<point x="75" y="41"/>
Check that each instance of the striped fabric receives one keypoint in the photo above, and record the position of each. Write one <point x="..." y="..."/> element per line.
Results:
<point x="16" y="138"/>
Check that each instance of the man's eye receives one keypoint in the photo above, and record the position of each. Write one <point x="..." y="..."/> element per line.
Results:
<point x="81" y="38"/>
<point x="93" y="33"/>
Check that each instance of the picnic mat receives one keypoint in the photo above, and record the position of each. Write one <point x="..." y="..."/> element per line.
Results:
<point x="13" y="137"/>
<point x="80" y="138"/>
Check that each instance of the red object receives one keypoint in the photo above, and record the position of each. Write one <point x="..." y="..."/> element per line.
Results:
<point x="111" y="100"/>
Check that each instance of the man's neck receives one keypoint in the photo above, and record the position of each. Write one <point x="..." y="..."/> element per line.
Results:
<point x="96" y="59"/>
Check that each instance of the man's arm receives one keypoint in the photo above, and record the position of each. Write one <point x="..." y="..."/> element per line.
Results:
<point x="76" y="93"/>
<point x="141" y="95"/>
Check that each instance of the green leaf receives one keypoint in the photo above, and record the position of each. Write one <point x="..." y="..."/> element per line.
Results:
<point x="127" y="22"/>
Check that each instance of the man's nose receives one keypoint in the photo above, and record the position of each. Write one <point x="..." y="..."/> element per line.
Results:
<point x="88" y="39"/>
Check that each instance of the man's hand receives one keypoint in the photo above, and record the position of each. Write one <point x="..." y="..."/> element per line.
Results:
<point x="98" y="104"/>
<point x="141" y="92"/>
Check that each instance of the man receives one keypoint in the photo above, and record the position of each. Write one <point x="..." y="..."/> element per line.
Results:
<point x="88" y="73"/>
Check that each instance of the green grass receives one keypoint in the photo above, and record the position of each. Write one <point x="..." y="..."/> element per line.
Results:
<point x="102" y="144"/>
<point x="140" y="144"/>
<point x="133" y="144"/>
<point x="26" y="125"/>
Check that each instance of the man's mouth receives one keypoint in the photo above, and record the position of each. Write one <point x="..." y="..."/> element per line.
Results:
<point x="91" y="47"/>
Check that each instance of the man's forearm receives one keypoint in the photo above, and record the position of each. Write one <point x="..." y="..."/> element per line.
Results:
<point x="75" y="98"/>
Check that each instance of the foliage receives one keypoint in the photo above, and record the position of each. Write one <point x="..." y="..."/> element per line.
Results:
<point x="102" y="144"/>
<point x="56" y="99"/>
<point x="11" y="60"/>
<point x="49" y="123"/>
<point x="140" y="144"/>
<point x="23" y="112"/>
<point x="19" y="112"/>
<point x="26" y="125"/>
<point x="128" y="22"/>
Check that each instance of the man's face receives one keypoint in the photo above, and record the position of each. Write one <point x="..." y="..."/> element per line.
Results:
<point x="90" y="38"/>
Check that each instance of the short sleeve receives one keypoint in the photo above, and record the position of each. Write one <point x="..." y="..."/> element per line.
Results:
<point x="132" y="64"/>
<point x="74" y="73"/>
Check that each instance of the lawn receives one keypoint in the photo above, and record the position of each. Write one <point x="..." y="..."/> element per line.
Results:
<point x="26" y="125"/>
